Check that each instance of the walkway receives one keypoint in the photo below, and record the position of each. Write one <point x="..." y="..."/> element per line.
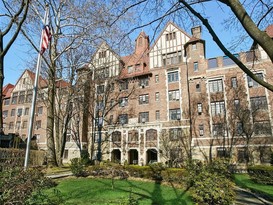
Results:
<point x="245" y="197"/>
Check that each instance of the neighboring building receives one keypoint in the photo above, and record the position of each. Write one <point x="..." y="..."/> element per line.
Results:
<point x="17" y="101"/>
<point x="167" y="102"/>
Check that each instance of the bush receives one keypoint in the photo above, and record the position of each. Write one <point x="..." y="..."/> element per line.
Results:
<point x="78" y="167"/>
<point x="139" y="171"/>
<point x="210" y="183"/>
<point x="261" y="174"/>
<point x="176" y="175"/>
<point x="17" y="185"/>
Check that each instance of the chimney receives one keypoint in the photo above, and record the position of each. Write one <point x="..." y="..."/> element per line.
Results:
<point x="196" y="32"/>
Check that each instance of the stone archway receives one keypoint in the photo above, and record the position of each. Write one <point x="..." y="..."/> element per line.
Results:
<point x="151" y="156"/>
<point x="133" y="156"/>
<point x="116" y="156"/>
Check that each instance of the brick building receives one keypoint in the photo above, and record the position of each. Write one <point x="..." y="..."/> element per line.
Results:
<point x="167" y="102"/>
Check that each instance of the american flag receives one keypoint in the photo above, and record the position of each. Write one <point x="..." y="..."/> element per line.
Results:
<point x="46" y="37"/>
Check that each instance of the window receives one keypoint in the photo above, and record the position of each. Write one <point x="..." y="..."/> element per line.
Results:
<point x="199" y="108"/>
<point x="143" y="82"/>
<point x="174" y="95"/>
<point x="222" y="152"/>
<point x="21" y="97"/>
<point x="265" y="154"/>
<point x="237" y="104"/>
<point x="130" y="69"/>
<point x="157" y="96"/>
<point x="156" y="79"/>
<point x="140" y="41"/>
<point x="262" y="128"/>
<point x="123" y="85"/>
<point x="123" y="119"/>
<point x="5" y="113"/>
<point x="198" y="87"/>
<point x="216" y="86"/>
<point x="111" y="118"/>
<point x="194" y="46"/>
<point x="173" y="77"/>
<point x="11" y="125"/>
<point x="242" y="155"/>
<point x="234" y="82"/>
<point x="6" y="101"/>
<point x="123" y="102"/>
<point x="24" y="125"/>
<point x="172" y="58"/>
<point x="18" y="123"/>
<point x="102" y="73"/>
<point x="218" y="129"/>
<point x="26" y="111"/>
<point x="170" y="36"/>
<point x="19" y="112"/>
<point x="195" y="66"/>
<point x="133" y="136"/>
<point x="14" y="98"/>
<point x="38" y="124"/>
<point x="144" y="99"/>
<point x="102" y="54"/>
<point x="175" y="133"/>
<point x="258" y="103"/>
<point x="143" y="117"/>
<point x="40" y="110"/>
<point x="252" y="83"/>
<point x="12" y="113"/>
<point x="29" y="96"/>
<point x="239" y="128"/>
<point x="66" y="154"/>
<point x="151" y="135"/>
<point x="100" y="89"/>
<point x="217" y="108"/>
<point x="201" y="130"/>
<point x="116" y="136"/>
<point x="157" y="115"/>
<point x="175" y="114"/>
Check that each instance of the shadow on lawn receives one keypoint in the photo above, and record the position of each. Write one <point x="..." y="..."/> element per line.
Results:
<point x="154" y="194"/>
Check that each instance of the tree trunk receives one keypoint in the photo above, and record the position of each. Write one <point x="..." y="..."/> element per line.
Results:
<point x="51" y="152"/>
<point x="1" y="81"/>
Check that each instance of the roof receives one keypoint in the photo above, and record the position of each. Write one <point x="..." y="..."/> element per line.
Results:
<point x="7" y="89"/>
<point x="269" y="30"/>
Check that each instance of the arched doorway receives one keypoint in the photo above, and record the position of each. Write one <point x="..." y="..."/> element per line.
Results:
<point x="151" y="155"/>
<point x="133" y="156"/>
<point x="116" y="156"/>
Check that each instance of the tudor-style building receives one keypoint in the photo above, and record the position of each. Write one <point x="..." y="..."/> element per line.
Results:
<point x="167" y="102"/>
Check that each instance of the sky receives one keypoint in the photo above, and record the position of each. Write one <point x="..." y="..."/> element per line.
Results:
<point x="16" y="60"/>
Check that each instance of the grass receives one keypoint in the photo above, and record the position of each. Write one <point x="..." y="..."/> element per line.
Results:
<point x="244" y="181"/>
<point x="99" y="191"/>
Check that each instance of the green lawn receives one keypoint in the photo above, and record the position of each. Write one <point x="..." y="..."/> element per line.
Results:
<point x="243" y="180"/>
<point x="99" y="191"/>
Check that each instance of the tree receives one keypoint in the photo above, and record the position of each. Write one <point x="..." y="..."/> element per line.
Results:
<point x="13" y="14"/>
<point x="74" y="37"/>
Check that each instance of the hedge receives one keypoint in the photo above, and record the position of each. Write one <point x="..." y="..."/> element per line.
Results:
<point x="261" y="174"/>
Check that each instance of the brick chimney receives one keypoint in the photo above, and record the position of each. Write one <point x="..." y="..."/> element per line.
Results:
<point x="196" y="32"/>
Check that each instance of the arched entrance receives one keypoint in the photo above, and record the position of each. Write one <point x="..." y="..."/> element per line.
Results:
<point x="133" y="156"/>
<point x="151" y="155"/>
<point x="116" y="156"/>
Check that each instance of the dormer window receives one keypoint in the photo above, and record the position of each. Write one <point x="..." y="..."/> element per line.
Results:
<point x="102" y="54"/>
<point x="170" y="36"/>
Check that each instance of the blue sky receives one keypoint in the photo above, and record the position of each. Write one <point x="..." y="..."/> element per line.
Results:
<point x="16" y="61"/>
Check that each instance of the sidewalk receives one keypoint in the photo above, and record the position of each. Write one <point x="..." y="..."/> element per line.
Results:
<point x="246" y="197"/>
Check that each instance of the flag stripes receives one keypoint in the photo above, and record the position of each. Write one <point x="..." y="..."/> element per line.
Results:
<point x="46" y="37"/>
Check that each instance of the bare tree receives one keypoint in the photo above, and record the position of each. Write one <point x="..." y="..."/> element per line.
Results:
<point x="13" y="14"/>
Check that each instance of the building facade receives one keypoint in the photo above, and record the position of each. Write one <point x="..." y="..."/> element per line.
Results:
<point x="168" y="102"/>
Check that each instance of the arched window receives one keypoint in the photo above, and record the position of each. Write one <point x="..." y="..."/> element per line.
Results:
<point x="151" y="135"/>
<point x="116" y="136"/>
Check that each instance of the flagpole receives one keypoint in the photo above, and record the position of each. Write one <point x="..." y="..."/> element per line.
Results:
<point x="34" y="96"/>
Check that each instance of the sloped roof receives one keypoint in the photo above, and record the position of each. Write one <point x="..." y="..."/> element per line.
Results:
<point x="269" y="30"/>
<point x="7" y="89"/>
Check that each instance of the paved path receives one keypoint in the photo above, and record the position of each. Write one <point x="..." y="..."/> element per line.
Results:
<point x="245" y="197"/>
